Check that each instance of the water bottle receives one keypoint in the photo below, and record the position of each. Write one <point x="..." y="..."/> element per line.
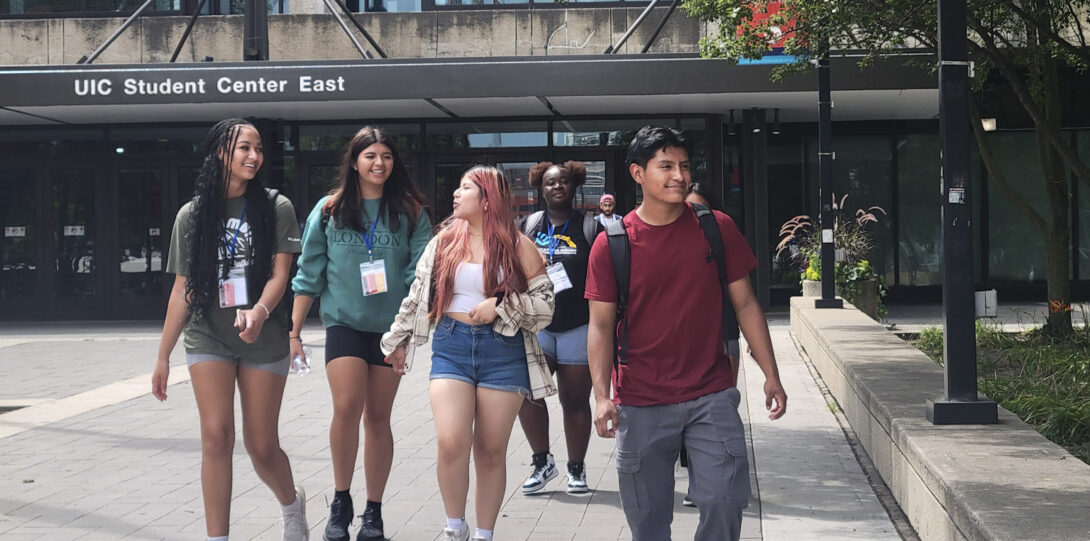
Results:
<point x="300" y="364"/>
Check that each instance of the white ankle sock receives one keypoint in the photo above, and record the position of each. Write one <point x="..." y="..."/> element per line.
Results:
<point x="218" y="538"/>
<point x="457" y="523"/>
<point x="483" y="534"/>
<point x="292" y="507"/>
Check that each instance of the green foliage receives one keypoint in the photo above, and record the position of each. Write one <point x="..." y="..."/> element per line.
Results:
<point x="1045" y="381"/>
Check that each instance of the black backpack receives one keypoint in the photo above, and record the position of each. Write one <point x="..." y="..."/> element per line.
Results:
<point x="590" y="225"/>
<point x="622" y="263"/>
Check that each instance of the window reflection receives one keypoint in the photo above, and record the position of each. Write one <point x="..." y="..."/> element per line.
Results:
<point x="488" y="134"/>
<point x="18" y="214"/>
<point x="73" y="232"/>
<point x="140" y="232"/>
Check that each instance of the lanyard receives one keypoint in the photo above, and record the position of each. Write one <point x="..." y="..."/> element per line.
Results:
<point x="234" y="239"/>
<point x="553" y="241"/>
<point x="369" y="239"/>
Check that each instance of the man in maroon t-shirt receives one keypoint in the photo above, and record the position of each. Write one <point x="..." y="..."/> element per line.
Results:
<point x="676" y="386"/>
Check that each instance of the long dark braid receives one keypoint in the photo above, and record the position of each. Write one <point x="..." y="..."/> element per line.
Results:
<point x="207" y="242"/>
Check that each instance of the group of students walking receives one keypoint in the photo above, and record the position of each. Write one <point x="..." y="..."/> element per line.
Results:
<point x="504" y="306"/>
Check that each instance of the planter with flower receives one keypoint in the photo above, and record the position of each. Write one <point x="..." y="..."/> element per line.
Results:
<point x="855" y="279"/>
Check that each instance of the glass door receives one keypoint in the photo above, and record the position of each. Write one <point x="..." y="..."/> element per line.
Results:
<point x="139" y="281"/>
<point x="20" y="258"/>
<point x="74" y="247"/>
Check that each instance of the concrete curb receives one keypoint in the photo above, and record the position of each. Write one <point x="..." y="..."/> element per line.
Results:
<point x="998" y="482"/>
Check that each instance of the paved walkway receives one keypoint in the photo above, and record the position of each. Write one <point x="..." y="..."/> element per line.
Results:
<point x="96" y="457"/>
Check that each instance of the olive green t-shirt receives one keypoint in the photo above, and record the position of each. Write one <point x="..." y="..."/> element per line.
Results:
<point x="216" y="334"/>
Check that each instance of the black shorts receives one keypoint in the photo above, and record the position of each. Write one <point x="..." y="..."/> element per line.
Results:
<point x="341" y="341"/>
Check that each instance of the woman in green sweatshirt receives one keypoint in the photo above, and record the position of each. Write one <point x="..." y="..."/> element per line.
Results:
<point x="360" y="248"/>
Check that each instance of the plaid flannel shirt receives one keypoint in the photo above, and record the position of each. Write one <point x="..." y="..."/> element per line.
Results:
<point x="527" y="313"/>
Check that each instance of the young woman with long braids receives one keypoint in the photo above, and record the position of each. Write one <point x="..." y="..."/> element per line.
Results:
<point x="360" y="248"/>
<point x="491" y="295"/>
<point x="231" y="254"/>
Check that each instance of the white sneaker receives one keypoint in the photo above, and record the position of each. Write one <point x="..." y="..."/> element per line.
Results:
<point x="540" y="476"/>
<point x="295" y="523"/>
<point x="455" y="535"/>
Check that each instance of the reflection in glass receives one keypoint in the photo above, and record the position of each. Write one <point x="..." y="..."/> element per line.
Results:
<point x="73" y="232"/>
<point x="488" y="134"/>
<point x="139" y="228"/>
<point x="1083" y="146"/>
<point x="586" y="199"/>
<point x="321" y="180"/>
<point x="1016" y="250"/>
<point x="18" y="260"/>
<point x="920" y="210"/>
<point x="862" y="170"/>
<point x="593" y="133"/>
<point x="447" y="177"/>
<point x="187" y="182"/>
<point x="523" y="195"/>
<point x="335" y="137"/>
<point x="786" y="199"/>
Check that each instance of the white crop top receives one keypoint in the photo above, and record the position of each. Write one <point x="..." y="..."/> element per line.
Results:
<point x="468" y="288"/>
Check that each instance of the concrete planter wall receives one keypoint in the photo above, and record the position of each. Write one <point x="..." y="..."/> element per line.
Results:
<point x="866" y="300"/>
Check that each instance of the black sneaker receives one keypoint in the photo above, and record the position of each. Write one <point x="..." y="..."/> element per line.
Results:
<point x="371" y="528"/>
<point x="340" y="516"/>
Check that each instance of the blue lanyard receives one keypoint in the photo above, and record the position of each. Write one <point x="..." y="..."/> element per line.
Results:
<point x="553" y="241"/>
<point x="234" y="239"/>
<point x="369" y="239"/>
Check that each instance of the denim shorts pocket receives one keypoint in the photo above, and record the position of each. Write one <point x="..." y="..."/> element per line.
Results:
<point x="511" y="341"/>
<point x="443" y="329"/>
<point x="631" y="481"/>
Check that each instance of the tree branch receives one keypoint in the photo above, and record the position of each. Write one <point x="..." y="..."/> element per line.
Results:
<point x="1051" y="34"/>
<point x="996" y="176"/>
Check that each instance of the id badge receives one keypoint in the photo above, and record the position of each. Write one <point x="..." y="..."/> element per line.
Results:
<point x="373" y="277"/>
<point x="233" y="290"/>
<point x="559" y="276"/>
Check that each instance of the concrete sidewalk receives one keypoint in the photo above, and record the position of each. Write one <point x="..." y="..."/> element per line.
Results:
<point x="96" y="457"/>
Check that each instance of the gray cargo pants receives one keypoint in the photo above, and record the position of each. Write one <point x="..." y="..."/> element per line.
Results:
<point x="649" y="439"/>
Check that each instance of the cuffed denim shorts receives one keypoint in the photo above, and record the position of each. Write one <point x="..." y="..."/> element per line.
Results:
<point x="479" y="356"/>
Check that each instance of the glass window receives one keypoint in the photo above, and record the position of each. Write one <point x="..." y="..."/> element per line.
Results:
<point x="1083" y="146"/>
<point x="488" y="134"/>
<point x="518" y="177"/>
<point x="335" y="137"/>
<point x="139" y="228"/>
<point x="586" y="199"/>
<point x="18" y="217"/>
<point x="51" y="142"/>
<point x="393" y="6"/>
<point x="32" y="7"/>
<point x="920" y="211"/>
<point x="1016" y="250"/>
<point x="320" y="181"/>
<point x="74" y="232"/>
<point x="862" y="172"/>
<point x="129" y="141"/>
<point x="593" y="133"/>
<point x="786" y="199"/>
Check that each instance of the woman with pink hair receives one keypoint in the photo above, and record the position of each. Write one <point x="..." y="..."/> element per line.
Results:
<point x="480" y="294"/>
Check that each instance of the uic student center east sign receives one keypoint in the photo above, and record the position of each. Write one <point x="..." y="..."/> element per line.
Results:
<point x="96" y="159"/>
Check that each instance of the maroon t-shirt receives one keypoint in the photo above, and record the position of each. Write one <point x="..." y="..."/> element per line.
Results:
<point x="675" y="309"/>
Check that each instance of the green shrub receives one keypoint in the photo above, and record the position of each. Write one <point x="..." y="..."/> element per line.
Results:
<point x="1043" y="380"/>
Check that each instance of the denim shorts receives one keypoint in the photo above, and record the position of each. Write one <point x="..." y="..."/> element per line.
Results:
<point x="567" y="347"/>
<point x="479" y="356"/>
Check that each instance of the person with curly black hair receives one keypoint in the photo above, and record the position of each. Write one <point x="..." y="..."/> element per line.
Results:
<point x="231" y="252"/>
<point x="360" y="248"/>
<point x="563" y="236"/>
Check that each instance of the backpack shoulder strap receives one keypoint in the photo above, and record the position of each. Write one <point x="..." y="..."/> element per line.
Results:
<point x="271" y="193"/>
<point x="590" y="228"/>
<point x="717" y="251"/>
<point x="532" y="222"/>
<point x="621" y="257"/>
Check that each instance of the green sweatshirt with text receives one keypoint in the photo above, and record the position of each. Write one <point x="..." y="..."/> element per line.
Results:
<point x="329" y="267"/>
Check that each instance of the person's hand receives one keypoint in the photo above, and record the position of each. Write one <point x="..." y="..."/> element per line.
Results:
<point x="250" y="323"/>
<point x="159" y="379"/>
<point x="485" y="312"/>
<point x="605" y="417"/>
<point x="397" y="359"/>
<point x="774" y="393"/>
<point x="295" y="347"/>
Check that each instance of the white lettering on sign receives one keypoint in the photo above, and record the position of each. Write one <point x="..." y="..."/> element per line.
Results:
<point x="73" y="231"/>
<point x="228" y="86"/>
<point x="19" y="231"/>
<point x="169" y="87"/>
<point x="94" y="87"/>
<point x="153" y="231"/>
<point x="310" y="84"/>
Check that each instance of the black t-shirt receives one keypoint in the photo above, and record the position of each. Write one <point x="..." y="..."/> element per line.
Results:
<point x="573" y="251"/>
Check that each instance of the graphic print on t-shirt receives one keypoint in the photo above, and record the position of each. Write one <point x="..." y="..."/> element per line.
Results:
<point x="564" y="244"/>
<point x="237" y="237"/>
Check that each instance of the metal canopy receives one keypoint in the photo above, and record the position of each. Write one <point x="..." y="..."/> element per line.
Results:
<point x="441" y="88"/>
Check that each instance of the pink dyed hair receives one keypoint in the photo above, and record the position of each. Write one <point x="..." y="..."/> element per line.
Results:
<point x="500" y="243"/>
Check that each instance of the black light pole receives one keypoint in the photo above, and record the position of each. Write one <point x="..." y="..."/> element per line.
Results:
<point x="825" y="194"/>
<point x="960" y="404"/>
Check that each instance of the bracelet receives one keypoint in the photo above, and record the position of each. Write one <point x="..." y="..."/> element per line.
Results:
<point x="268" y="314"/>
<point x="295" y="337"/>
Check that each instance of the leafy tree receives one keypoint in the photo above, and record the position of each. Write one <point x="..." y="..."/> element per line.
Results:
<point x="1026" y="42"/>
